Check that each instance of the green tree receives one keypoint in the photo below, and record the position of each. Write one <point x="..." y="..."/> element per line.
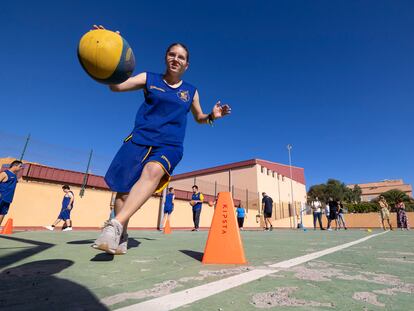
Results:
<point x="357" y="194"/>
<point x="336" y="190"/>
<point x="317" y="191"/>
<point x="353" y="195"/>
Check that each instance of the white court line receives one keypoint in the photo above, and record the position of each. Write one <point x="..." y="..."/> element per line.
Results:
<point x="190" y="295"/>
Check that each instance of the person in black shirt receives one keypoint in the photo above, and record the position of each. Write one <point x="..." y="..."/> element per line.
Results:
<point x="333" y="209"/>
<point x="267" y="208"/>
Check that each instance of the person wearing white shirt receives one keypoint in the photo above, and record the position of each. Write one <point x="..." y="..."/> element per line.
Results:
<point x="316" y="206"/>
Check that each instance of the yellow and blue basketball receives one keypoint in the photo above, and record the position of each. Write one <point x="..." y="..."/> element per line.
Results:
<point x="106" y="56"/>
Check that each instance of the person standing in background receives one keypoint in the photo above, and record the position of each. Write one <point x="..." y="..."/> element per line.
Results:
<point x="241" y="214"/>
<point x="267" y="208"/>
<point x="8" y="183"/>
<point x="340" y="216"/>
<point x="168" y="206"/>
<point x="402" y="215"/>
<point x="197" y="203"/>
<point x="385" y="212"/>
<point x="316" y="206"/>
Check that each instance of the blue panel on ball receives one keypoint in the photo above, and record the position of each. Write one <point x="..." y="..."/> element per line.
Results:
<point x="125" y="67"/>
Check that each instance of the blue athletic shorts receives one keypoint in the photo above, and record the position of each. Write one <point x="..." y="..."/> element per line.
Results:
<point x="127" y="166"/>
<point x="64" y="214"/>
<point x="168" y="210"/>
<point x="4" y="207"/>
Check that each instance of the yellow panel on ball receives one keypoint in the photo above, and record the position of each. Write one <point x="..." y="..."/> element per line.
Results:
<point x="106" y="56"/>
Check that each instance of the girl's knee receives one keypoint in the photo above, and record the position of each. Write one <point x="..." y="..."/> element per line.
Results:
<point x="153" y="170"/>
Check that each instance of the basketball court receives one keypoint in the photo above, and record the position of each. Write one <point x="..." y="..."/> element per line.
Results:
<point x="164" y="272"/>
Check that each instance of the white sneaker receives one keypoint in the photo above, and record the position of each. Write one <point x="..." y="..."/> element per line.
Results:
<point x="51" y="228"/>
<point x="329" y="229"/>
<point x="67" y="229"/>
<point x="110" y="236"/>
<point x="123" y="245"/>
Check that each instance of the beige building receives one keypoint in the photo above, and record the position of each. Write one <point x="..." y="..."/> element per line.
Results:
<point x="247" y="180"/>
<point x="39" y="195"/>
<point x="373" y="190"/>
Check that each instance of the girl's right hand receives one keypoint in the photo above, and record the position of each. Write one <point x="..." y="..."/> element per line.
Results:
<point x="96" y="27"/>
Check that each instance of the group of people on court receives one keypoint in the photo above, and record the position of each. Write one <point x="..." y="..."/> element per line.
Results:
<point x="402" y="220"/>
<point x="333" y="210"/>
<point x="8" y="183"/>
<point x="197" y="199"/>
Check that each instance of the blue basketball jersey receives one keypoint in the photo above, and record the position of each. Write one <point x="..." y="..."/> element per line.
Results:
<point x="7" y="188"/>
<point x="162" y="118"/>
<point x="197" y="197"/>
<point x="169" y="201"/>
<point x="66" y="200"/>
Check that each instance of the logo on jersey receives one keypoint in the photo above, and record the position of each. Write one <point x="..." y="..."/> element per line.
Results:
<point x="183" y="95"/>
<point x="157" y="88"/>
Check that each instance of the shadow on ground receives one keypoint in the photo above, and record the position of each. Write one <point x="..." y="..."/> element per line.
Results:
<point x="32" y="286"/>
<point x="193" y="254"/>
<point x="34" y="248"/>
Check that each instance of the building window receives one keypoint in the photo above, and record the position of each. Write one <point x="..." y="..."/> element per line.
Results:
<point x="268" y="172"/>
<point x="273" y="174"/>
<point x="262" y="169"/>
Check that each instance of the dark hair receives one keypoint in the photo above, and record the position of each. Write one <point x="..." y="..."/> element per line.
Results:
<point x="65" y="187"/>
<point x="16" y="163"/>
<point x="170" y="189"/>
<point x="195" y="186"/>
<point x="182" y="45"/>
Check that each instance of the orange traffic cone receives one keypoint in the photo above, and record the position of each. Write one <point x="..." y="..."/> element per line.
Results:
<point x="224" y="244"/>
<point x="167" y="228"/>
<point x="8" y="228"/>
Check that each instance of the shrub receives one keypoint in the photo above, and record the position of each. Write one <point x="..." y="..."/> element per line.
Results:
<point x="363" y="207"/>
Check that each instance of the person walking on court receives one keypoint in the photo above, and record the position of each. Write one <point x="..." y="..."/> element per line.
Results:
<point x="196" y="202"/>
<point x="8" y="183"/>
<point x="148" y="156"/>
<point x="385" y="212"/>
<point x="402" y="215"/>
<point x="64" y="215"/>
<point x="241" y="214"/>
<point x="340" y="216"/>
<point x="168" y="206"/>
<point x="316" y="207"/>
<point x="267" y="208"/>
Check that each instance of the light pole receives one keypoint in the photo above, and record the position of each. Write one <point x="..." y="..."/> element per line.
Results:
<point x="289" y="147"/>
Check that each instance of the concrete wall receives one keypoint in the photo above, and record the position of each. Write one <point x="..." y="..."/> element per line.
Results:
<point x="38" y="204"/>
<point x="279" y="187"/>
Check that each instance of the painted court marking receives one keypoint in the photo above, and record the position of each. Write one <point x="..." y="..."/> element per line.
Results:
<point x="190" y="295"/>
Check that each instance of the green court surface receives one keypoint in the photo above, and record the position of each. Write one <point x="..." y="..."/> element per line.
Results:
<point x="60" y="271"/>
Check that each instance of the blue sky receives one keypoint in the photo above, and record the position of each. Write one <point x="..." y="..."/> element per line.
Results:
<point x="332" y="78"/>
